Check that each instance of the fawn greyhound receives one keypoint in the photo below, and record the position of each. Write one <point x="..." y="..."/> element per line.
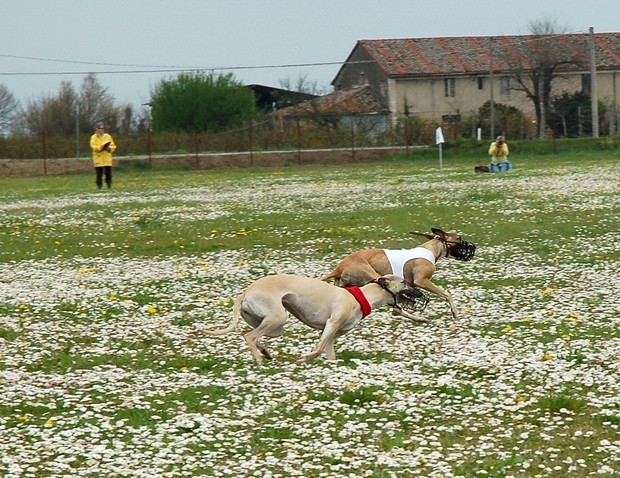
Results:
<point x="334" y="310"/>
<point x="415" y="265"/>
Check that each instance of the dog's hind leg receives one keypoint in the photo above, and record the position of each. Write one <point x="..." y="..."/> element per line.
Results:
<point x="270" y="324"/>
<point x="361" y="275"/>
<point x="258" y="350"/>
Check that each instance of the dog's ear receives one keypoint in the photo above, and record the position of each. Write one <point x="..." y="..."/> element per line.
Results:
<point x="423" y="234"/>
<point x="438" y="232"/>
<point x="383" y="281"/>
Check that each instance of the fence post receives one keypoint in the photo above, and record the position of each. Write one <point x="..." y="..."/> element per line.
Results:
<point x="406" y="122"/>
<point x="251" y="141"/>
<point x="44" y="150"/>
<point x="298" y="131"/>
<point x="149" y="147"/>
<point x="353" y="141"/>
<point x="196" y="148"/>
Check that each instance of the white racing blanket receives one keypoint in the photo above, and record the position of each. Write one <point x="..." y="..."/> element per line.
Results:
<point x="398" y="257"/>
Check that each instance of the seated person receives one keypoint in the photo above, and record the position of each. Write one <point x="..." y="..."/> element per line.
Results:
<point x="499" y="156"/>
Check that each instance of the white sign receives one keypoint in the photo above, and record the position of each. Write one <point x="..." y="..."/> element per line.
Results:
<point x="439" y="136"/>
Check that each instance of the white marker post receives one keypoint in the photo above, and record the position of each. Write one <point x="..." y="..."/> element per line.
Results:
<point x="439" y="140"/>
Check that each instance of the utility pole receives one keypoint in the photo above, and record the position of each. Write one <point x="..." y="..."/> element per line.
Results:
<point x="542" y="127"/>
<point x="593" y="85"/>
<point x="491" y="91"/>
<point x="77" y="130"/>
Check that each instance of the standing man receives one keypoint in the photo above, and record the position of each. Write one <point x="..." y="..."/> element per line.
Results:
<point x="103" y="146"/>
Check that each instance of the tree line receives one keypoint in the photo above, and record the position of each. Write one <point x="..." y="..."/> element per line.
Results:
<point x="189" y="102"/>
<point x="201" y="102"/>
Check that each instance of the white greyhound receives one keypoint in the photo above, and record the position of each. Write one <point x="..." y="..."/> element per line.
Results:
<point x="334" y="310"/>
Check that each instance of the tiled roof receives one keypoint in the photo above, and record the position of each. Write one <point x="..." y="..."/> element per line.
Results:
<point x="266" y="96"/>
<point x="351" y="101"/>
<point x="474" y="55"/>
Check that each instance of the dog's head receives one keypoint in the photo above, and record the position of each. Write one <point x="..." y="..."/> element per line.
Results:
<point x="406" y="295"/>
<point x="455" y="245"/>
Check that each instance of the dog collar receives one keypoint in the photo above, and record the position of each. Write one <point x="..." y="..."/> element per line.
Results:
<point x="361" y="299"/>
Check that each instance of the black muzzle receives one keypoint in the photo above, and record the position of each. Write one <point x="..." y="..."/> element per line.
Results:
<point x="415" y="300"/>
<point x="463" y="251"/>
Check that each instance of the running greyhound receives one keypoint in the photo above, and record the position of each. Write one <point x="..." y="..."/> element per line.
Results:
<point x="334" y="310"/>
<point x="415" y="265"/>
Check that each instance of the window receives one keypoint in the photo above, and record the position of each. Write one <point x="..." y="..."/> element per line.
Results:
<point x="449" y="86"/>
<point x="586" y="84"/>
<point x="480" y="83"/>
<point x="451" y="119"/>
<point x="504" y="85"/>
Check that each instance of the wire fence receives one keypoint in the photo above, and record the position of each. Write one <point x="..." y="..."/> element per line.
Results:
<point x="275" y="135"/>
<point x="267" y="136"/>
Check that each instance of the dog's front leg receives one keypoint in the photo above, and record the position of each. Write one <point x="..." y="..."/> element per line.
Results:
<point x="435" y="289"/>
<point x="330" y="351"/>
<point x="326" y="342"/>
<point x="403" y="313"/>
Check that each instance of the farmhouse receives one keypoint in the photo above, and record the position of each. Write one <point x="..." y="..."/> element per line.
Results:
<point x="357" y="106"/>
<point x="268" y="98"/>
<point x="446" y="78"/>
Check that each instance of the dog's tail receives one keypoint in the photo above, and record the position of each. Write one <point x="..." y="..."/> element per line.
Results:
<point x="235" y="319"/>
<point x="335" y="274"/>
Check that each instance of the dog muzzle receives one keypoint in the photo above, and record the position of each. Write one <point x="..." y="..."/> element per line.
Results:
<point x="463" y="251"/>
<point x="415" y="300"/>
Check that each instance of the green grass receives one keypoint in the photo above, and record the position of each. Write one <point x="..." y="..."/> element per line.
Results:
<point x="105" y="294"/>
<point x="148" y="232"/>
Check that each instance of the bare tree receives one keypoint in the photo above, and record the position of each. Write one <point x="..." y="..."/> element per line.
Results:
<point x="96" y="104"/>
<point x="60" y="113"/>
<point x="540" y="59"/>
<point x="52" y="115"/>
<point x="8" y="108"/>
<point x="302" y="85"/>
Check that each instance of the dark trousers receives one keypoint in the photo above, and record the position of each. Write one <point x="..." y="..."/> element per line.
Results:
<point x="100" y="170"/>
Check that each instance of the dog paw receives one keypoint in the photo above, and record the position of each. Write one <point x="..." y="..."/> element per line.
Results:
<point x="307" y="357"/>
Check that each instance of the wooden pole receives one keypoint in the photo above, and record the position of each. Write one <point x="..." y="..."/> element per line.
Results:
<point x="44" y="150"/>
<point x="593" y="85"/>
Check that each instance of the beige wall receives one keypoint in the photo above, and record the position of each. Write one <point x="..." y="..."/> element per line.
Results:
<point x="425" y="97"/>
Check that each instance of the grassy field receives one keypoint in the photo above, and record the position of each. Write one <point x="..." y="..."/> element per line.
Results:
<point x="105" y="370"/>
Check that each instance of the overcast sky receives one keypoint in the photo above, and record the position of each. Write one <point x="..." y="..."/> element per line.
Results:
<point x="123" y="42"/>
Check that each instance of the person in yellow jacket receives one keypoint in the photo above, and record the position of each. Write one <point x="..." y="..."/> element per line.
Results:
<point x="102" y="146"/>
<point x="499" y="156"/>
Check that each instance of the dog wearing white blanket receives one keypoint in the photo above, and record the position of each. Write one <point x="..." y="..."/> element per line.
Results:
<point x="415" y="265"/>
